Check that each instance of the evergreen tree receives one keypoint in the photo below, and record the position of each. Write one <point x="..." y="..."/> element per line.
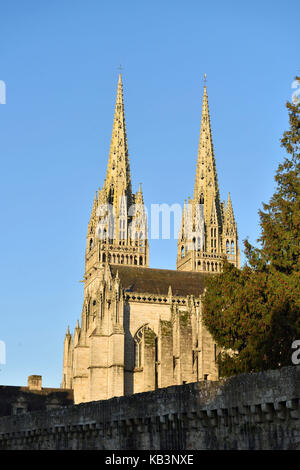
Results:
<point x="254" y="313"/>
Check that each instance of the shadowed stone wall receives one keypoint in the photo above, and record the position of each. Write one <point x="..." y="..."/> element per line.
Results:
<point x="250" y="411"/>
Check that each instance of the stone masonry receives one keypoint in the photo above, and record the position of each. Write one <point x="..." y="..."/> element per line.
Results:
<point x="249" y="411"/>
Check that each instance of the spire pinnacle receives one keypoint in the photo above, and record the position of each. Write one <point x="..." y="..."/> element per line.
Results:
<point x="206" y="182"/>
<point x="229" y="210"/>
<point x="118" y="171"/>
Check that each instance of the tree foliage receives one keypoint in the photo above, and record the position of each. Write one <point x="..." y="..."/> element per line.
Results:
<point x="254" y="313"/>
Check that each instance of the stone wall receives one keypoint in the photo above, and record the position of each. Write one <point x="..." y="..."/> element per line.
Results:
<point x="250" y="411"/>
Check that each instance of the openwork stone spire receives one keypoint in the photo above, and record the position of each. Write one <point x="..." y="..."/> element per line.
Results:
<point x="202" y="242"/>
<point x="206" y="188"/>
<point x="118" y="179"/>
<point x="118" y="230"/>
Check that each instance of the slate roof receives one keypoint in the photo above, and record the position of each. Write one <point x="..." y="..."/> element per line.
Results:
<point x="35" y="399"/>
<point x="157" y="281"/>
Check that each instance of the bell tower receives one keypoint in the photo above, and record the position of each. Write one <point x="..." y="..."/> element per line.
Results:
<point x="117" y="235"/>
<point x="118" y="229"/>
<point x="208" y="229"/>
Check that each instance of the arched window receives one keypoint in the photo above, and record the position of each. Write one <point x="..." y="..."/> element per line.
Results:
<point x="201" y="199"/>
<point x="232" y="248"/>
<point x="138" y="345"/>
<point x="91" y="243"/>
<point x="182" y="252"/>
<point x="227" y="247"/>
<point x="198" y="243"/>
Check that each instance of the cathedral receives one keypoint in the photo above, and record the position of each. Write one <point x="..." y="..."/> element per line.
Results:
<point x="141" y="328"/>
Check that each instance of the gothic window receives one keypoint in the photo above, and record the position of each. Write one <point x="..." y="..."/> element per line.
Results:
<point x="141" y="239"/>
<point x="201" y="199"/>
<point x="138" y="340"/>
<point x="227" y="247"/>
<point x="138" y="346"/>
<point x="182" y="252"/>
<point x="103" y="257"/>
<point x="232" y="248"/>
<point x="91" y="243"/>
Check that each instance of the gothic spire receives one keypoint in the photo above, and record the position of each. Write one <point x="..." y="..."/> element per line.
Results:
<point x="230" y="224"/>
<point x="229" y="210"/>
<point x="118" y="170"/>
<point x="206" y="182"/>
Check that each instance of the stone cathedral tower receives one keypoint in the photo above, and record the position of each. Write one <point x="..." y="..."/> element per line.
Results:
<point x="118" y="230"/>
<point x="141" y="328"/>
<point x="208" y="229"/>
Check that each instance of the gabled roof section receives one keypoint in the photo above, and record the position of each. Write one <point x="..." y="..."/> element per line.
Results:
<point x="158" y="281"/>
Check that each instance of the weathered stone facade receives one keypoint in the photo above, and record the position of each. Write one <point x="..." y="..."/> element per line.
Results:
<point x="141" y="328"/>
<point x="249" y="411"/>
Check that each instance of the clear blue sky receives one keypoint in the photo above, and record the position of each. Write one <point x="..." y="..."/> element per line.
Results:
<point x="59" y="61"/>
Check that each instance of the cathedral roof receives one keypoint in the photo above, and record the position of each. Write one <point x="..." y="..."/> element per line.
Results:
<point x="157" y="281"/>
